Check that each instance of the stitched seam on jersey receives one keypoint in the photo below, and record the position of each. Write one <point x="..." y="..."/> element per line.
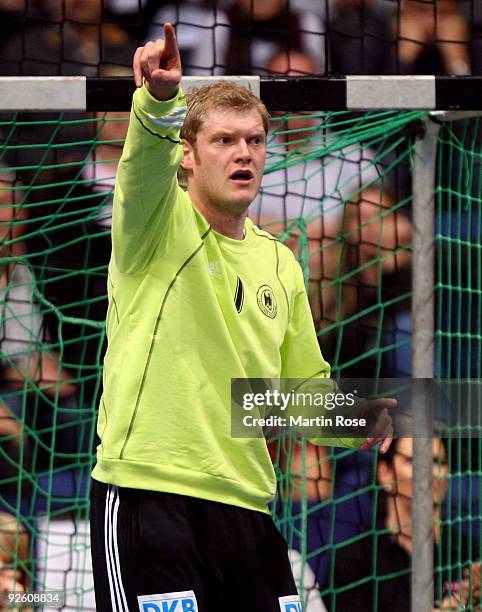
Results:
<point x="159" y="316"/>
<point x="276" y="241"/>
<point x="154" y="133"/>
<point x="102" y="403"/>
<point x="279" y="279"/>
<point x="310" y="378"/>
<point x="113" y="298"/>
<point x="268" y="237"/>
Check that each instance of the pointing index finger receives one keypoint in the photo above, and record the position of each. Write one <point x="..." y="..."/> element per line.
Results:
<point x="170" y="39"/>
<point x="385" y="402"/>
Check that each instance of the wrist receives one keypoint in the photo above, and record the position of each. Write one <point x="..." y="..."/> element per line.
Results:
<point x="162" y="94"/>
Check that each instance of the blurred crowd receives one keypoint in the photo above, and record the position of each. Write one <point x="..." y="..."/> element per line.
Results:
<point x="55" y="207"/>
<point x="290" y="37"/>
<point x="240" y="36"/>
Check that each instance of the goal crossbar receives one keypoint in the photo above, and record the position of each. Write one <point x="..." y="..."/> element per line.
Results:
<point x="45" y="94"/>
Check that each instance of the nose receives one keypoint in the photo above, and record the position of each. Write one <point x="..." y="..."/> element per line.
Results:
<point x="242" y="150"/>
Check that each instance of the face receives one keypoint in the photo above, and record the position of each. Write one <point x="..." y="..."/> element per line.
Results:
<point x="400" y="474"/>
<point x="225" y="165"/>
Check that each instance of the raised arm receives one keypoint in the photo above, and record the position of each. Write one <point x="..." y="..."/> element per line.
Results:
<point x="146" y="185"/>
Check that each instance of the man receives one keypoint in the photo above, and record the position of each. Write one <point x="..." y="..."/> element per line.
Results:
<point x="198" y="296"/>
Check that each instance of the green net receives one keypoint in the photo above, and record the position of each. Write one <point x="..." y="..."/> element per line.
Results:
<point x="337" y="191"/>
<point x="458" y="335"/>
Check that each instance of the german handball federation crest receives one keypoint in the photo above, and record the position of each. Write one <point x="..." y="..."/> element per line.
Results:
<point x="266" y="301"/>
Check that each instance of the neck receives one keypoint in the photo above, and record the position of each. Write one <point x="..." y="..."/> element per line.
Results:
<point x="230" y="224"/>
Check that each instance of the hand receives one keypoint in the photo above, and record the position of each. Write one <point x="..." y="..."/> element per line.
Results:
<point x="379" y="422"/>
<point x="471" y="585"/>
<point x="9" y="582"/>
<point x="451" y="603"/>
<point x="159" y="64"/>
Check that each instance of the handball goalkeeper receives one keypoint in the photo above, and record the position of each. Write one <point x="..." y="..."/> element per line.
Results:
<point x="198" y="295"/>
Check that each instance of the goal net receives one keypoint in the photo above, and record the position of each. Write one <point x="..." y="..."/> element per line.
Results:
<point x="337" y="190"/>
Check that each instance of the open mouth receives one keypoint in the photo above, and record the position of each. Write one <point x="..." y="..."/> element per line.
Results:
<point x="242" y="176"/>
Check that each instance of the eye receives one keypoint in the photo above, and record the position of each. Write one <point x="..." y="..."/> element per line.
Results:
<point x="257" y="140"/>
<point x="224" y="140"/>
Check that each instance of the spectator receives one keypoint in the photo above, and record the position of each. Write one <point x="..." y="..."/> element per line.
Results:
<point x="31" y="371"/>
<point x="435" y="39"/>
<point x="262" y="28"/>
<point x="420" y="38"/>
<point x="391" y="548"/>
<point x="74" y="40"/>
<point x="23" y="354"/>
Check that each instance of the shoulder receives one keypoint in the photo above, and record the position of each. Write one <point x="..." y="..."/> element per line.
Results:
<point x="262" y="236"/>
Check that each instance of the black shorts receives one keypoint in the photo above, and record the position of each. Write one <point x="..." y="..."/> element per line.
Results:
<point x="160" y="552"/>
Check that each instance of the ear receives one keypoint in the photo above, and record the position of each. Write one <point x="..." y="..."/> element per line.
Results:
<point x="385" y="475"/>
<point x="189" y="154"/>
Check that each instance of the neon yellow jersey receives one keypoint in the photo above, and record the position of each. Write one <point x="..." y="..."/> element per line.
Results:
<point x="190" y="309"/>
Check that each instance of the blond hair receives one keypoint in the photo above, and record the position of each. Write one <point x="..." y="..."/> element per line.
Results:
<point x="221" y="95"/>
